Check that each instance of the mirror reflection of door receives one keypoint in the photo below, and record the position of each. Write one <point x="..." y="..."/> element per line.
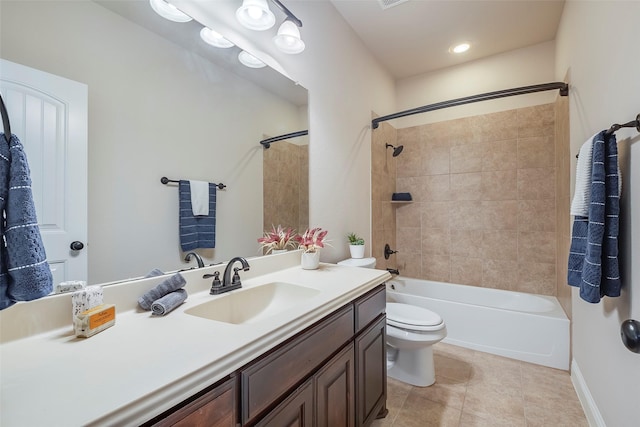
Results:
<point x="49" y="115"/>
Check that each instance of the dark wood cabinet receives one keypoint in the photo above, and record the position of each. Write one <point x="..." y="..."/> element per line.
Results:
<point x="295" y="411"/>
<point x="332" y="374"/>
<point x="371" y="373"/>
<point x="335" y="391"/>
<point x="214" y="407"/>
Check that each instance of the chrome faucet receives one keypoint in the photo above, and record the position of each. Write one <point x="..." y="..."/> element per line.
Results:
<point x="197" y="257"/>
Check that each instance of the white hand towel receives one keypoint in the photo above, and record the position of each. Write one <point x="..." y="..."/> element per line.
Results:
<point x="199" y="197"/>
<point x="582" y="193"/>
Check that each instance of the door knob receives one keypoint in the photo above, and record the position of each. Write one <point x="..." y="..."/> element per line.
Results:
<point x="76" y="246"/>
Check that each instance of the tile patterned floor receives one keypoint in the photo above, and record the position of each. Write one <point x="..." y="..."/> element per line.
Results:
<point x="476" y="389"/>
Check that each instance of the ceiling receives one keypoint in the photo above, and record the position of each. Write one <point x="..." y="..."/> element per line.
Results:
<point x="413" y="37"/>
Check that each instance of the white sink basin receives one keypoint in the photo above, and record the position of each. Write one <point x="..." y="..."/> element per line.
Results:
<point x="253" y="305"/>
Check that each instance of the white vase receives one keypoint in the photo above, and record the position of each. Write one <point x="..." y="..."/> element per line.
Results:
<point x="310" y="260"/>
<point x="357" y="251"/>
<point x="278" y="251"/>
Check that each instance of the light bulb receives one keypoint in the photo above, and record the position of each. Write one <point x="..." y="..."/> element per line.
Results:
<point x="169" y="11"/>
<point x="214" y="38"/>
<point x="288" y="38"/>
<point x="255" y="15"/>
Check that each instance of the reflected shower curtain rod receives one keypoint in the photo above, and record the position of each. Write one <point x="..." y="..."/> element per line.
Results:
<point x="563" y="87"/>
<point x="266" y="143"/>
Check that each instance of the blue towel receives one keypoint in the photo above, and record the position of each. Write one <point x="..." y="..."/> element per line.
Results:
<point x="24" y="272"/>
<point x="196" y="231"/>
<point x="169" y="302"/>
<point x="593" y="257"/>
<point x="163" y="288"/>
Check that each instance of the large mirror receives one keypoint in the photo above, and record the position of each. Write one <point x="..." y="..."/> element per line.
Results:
<point x="161" y="103"/>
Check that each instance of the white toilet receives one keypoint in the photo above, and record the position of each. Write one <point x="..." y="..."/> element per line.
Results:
<point x="359" y="262"/>
<point x="411" y="333"/>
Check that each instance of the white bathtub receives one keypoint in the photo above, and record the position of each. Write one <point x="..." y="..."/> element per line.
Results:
<point x="527" y="327"/>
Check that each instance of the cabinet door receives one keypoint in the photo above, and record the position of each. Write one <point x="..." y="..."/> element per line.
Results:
<point x="295" y="411"/>
<point x="371" y="372"/>
<point x="215" y="408"/>
<point x="335" y="391"/>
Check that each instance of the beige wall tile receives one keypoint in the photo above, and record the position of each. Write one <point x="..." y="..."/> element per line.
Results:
<point x="466" y="271"/>
<point x="536" y="183"/>
<point x="500" y="214"/>
<point x="408" y="240"/>
<point x="498" y="126"/>
<point x="536" y="152"/>
<point x="435" y="214"/>
<point x="436" y="267"/>
<point x="500" y="274"/>
<point x="466" y="158"/>
<point x="435" y="158"/>
<point x="408" y="215"/>
<point x="500" y="185"/>
<point x="465" y="215"/>
<point x="537" y="215"/>
<point x="537" y="278"/>
<point x="499" y="155"/>
<point x="436" y="241"/>
<point x="536" y="246"/>
<point x="409" y="162"/>
<point x="409" y="264"/>
<point x="414" y="185"/>
<point x="536" y="121"/>
<point x="466" y="186"/>
<point x="436" y="188"/>
<point x="466" y="242"/>
<point x="500" y="245"/>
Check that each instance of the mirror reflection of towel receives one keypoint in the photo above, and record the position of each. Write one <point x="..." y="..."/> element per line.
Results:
<point x="196" y="231"/>
<point x="199" y="197"/>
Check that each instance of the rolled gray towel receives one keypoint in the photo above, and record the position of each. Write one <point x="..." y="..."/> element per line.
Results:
<point x="168" y="302"/>
<point x="168" y="285"/>
<point x="153" y="273"/>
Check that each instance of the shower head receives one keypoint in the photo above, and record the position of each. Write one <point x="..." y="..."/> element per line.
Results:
<point x="396" y="150"/>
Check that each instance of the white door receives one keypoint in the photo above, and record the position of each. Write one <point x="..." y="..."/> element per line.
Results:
<point x="49" y="115"/>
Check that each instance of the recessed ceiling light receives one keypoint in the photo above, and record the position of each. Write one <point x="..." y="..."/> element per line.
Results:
<point x="460" y="48"/>
<point x="169" y="11"/>
<point x="214" y="38"/>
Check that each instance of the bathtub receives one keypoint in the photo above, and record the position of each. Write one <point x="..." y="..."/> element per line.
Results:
<point x="527" y="327"/>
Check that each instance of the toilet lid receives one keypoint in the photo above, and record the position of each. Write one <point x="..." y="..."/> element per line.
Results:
<point x="405" y="315"/>
<point x="359" y="262"/>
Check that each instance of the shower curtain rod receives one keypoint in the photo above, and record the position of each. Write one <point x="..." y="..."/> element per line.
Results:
<point x="266" y="143"/>
<point x="564" y="91"/>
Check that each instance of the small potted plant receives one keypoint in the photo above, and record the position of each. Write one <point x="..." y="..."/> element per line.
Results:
<point x="278" y="239"/>
<point x="356" y="245"/>
<point x="311" y="242"/>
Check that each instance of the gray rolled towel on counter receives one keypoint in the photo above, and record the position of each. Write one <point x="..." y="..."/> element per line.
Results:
<point x="168" y="285"/>
<point x="168" y="302"/>
<point x="153" y="273"/>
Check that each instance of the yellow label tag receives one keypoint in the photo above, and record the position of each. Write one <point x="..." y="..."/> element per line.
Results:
<point x="102" y="317"/>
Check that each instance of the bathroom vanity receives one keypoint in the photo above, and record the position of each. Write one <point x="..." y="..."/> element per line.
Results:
<point x="315" y="357"/>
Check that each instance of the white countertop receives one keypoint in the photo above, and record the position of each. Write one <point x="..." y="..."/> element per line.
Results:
<point x="144" y="365"/>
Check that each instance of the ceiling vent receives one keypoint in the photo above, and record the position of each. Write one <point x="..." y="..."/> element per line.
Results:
<point x="386" y="4"/>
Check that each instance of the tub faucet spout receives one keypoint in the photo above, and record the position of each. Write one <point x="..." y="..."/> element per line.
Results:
<point x="393" y="271"/>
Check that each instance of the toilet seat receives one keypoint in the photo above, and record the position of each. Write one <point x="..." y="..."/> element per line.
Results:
<point x="359" y="262"/>
<point x="412" y="317"/>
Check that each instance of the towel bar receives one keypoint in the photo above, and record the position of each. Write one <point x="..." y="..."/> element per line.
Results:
<point x="166" y="180"/>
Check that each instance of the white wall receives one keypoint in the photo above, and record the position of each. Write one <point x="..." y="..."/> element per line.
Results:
<point x="521" y="67"/>
<point x="345" y="84"/>
<point x="155" y="110"/>
<point x="598" y="43"/>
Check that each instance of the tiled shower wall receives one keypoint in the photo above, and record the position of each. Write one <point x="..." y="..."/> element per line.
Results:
<point x="484" y="191"/>
<point x="286" y="186"/>
<point x="563" y="201"/>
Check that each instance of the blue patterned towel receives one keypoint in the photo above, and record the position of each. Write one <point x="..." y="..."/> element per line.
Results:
<point x="24" y="272"/>
<point x="196" y="231"/>
<point x="593" y="257"/>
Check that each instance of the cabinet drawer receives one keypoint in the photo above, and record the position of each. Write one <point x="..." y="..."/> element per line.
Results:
<point x="266" y="380"/>
<point x="369" y="306"/>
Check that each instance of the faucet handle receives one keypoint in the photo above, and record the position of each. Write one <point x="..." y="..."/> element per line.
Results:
<point x="235" y="280"/>
<point x="216" y="284"/>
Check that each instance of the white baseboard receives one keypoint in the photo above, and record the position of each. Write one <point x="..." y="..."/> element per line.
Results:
<point x="584" y="395"/>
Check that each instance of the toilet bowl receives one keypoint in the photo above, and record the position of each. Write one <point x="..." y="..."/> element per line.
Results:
<point x="359" y="262"/>
<point x="411" y="333"/>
